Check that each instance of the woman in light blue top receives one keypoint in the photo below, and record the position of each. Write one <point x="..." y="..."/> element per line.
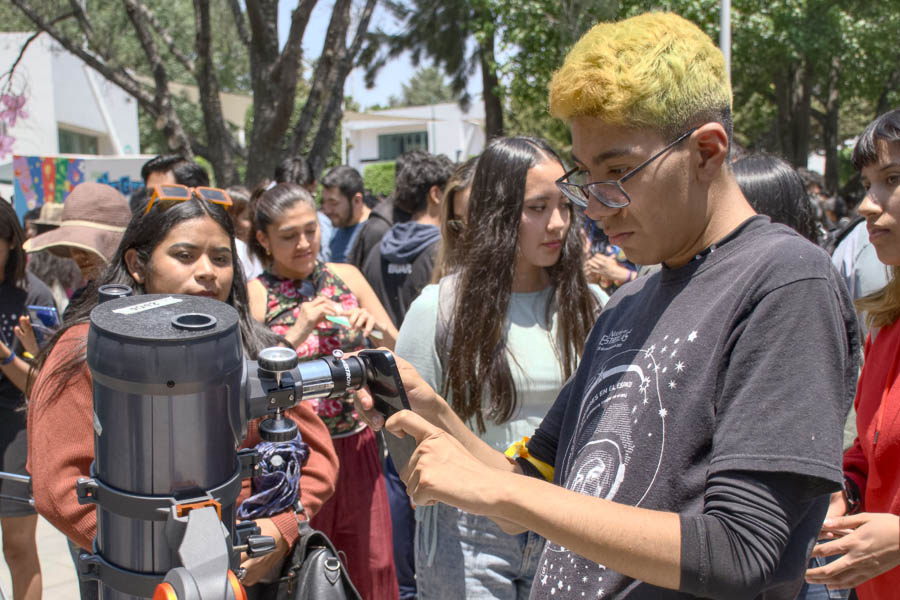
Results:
<point x="498" y="338"/>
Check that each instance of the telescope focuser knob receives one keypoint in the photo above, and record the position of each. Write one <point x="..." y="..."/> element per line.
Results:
<point x="278" y="429"/>
<point x="277" y="359"/>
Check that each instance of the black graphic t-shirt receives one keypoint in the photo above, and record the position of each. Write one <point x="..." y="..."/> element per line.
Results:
<point x="742" y="360"/>
<point x="13" y="301"/>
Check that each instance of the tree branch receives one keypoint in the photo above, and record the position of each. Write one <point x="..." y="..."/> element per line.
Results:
<point x="239" y="21"/>
<point x="361" y="30"/>
<point x="263" y="28"/>
<point x="892" y="83"/>
<point x="331" y="114"/>
<point x="177" y="138"/>
<point x="166" y="37"/>
<point x="293" y="47"/>
<point x="78" y="11"/>
<point x="217" y="134"/>
<point x="116" y="75"/>
<point x="30" y="39"/>
<point x="323" y="75"/>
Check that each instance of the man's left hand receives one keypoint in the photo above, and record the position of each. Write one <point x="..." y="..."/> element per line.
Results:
<point x="870" y="545"/>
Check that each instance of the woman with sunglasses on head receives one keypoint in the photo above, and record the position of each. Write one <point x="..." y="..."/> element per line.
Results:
<point x="183" y="246"/>
<point x="500" y="336"/>
<point x="319" y="308"/>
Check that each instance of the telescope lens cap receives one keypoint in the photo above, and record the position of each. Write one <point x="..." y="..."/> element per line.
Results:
<point x="277" y="359"/>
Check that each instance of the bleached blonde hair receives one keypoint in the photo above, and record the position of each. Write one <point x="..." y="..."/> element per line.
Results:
<point x="656" y="71"/>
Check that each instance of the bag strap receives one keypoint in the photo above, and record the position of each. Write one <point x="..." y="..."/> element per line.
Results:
<point x="313" y="538"/>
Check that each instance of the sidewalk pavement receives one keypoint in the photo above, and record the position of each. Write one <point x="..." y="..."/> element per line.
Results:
<point x="57" y="569"/>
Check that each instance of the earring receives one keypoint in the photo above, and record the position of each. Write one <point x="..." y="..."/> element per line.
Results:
<point x="268" y="253"/>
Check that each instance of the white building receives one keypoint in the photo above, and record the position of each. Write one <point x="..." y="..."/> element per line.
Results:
<point x="383" y="135"/>
<point x="72" y="114"/>
<point x="71" y="109"/>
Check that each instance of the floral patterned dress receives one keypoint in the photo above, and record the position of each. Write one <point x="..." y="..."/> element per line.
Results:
<point x="283" y="300"/>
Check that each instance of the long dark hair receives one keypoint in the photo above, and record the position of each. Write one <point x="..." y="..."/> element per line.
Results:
<point x="774" y="188"/>
<point x="143" y="235"/>
<point x="12" y="232"/>
<point x="477" y="365"/>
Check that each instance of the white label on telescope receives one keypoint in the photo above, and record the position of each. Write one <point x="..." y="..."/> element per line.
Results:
<point x="138" y="308"/>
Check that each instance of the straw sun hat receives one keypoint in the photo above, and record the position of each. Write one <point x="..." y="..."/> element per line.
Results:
<point x="94" y="217"/>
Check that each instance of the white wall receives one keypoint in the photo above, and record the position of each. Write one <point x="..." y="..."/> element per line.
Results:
<point x="451" y="132"/>
<point x="37" y="133"/>
<point x="59" y="94"/>
<point x="84" y="115"/>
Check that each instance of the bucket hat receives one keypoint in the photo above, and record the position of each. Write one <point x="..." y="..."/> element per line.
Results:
<point x="94" y="217"/>
<point x="51" y="214"/>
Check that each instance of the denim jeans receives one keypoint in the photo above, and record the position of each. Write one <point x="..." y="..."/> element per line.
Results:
<point x="815" y="591"/>
<point x="468" y="557"/>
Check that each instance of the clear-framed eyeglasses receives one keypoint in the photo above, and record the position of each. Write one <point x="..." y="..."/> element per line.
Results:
<point x="610" y="193"/>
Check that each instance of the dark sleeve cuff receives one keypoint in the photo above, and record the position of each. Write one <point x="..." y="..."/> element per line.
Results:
<point x="528" y="468"/>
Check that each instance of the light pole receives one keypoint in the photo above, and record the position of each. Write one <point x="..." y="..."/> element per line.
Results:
<point x="725" y="33"/>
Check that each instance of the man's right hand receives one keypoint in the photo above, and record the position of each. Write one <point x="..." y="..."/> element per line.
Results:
<point x="423" y="400"/>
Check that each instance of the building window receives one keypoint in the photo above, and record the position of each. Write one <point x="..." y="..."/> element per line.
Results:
<point x="392" y="145"/>
<point x="71" y="142"/>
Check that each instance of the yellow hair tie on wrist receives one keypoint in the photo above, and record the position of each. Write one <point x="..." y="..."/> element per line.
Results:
<point x="520" y="450"/>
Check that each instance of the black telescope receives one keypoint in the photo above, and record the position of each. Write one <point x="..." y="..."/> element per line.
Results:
<point x="173" y="396"/>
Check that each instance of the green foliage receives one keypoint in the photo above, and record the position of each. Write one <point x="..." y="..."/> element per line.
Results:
<point x="536" y="35"/>
<point x="379" y="178"/>
<point x="427" y="86"/>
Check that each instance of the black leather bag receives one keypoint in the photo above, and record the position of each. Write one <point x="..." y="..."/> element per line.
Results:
<point x="314" y="570"/>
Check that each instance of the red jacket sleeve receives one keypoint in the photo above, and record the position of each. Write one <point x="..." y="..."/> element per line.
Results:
<point x="61" y="439"/>
<point x="318" y="476"/>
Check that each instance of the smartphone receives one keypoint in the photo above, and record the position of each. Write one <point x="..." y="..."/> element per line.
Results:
<point x="44" y="321"/>
<point x="386" y="386"/>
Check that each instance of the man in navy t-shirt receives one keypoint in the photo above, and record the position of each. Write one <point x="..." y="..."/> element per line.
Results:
<point x="342" y="202"/>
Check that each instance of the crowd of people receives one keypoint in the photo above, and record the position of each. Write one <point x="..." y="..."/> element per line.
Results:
<point x="629" y="378"/>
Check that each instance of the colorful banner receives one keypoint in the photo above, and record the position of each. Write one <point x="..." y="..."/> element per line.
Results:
<point x="39" y="179"/>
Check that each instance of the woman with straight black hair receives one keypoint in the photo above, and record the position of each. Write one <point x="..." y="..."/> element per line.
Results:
<point x="181" y="248"/>
<point x="774" y="188"/>
<point x="18" y="289"/>
<point x="499" y="337"/>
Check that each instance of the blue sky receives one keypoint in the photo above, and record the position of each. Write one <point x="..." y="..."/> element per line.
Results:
<point x="391" y="77"/>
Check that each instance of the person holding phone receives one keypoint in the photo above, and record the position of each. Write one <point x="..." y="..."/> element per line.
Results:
<point x="319" y="308"/>
<point x="18" y="288"/>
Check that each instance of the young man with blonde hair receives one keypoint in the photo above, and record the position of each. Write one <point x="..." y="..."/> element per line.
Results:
<point x="693" y="451"/>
